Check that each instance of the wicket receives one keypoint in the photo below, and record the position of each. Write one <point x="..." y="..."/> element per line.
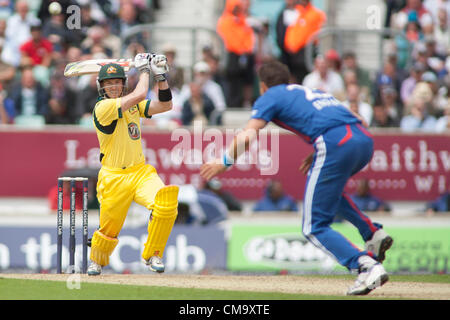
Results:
<point x="59" y="224"/>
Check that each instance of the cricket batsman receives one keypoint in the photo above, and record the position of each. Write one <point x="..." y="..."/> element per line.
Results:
<point x="124" y="176"/>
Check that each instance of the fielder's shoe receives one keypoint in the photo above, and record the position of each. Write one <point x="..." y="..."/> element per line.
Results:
<point x="371" y="275"/>
<point x="155" y="264"/>
<point x="94" y="269"/>
<point x="379" y="244"/>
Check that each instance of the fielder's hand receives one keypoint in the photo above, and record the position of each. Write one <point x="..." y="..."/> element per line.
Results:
<point x="159" y="66"/>
<point x="211" y="169"/>
<point x="142" y="62"/>
<point x="306" y="164"/>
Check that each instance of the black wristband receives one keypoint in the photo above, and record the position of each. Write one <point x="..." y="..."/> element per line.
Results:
<point x="164" y="95"/>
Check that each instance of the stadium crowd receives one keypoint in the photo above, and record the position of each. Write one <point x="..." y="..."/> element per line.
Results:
<point x="410" y="91"/>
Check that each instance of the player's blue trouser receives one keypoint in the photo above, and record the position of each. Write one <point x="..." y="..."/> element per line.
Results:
<point x="340" y="153"/>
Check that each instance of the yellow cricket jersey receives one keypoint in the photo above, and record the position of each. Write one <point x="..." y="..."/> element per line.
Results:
<point x="119" y="133"/>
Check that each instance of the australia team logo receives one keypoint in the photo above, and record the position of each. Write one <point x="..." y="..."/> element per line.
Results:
<point x="133" y="110"/>
<point x="133" y="131"/>
<point x="111" y="69"/>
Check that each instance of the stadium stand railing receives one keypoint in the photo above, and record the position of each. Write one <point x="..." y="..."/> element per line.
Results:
<point x="344" y="38"/>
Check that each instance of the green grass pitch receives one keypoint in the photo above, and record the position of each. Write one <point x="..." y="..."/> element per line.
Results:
<point x="19" y="289"/>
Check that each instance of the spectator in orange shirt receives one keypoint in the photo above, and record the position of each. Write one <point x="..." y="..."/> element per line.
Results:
<point x="287" y="16"/>
<point x="38" y="50"/>
<point x="298" y="34"/>
<point x="239" y="40"/>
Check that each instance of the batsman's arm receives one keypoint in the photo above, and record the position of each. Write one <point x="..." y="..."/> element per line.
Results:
<point x="142" y="63"/>
<point x="164" y="102"/>
<point x="159" y="67"/>
<point x="138" y="94"/>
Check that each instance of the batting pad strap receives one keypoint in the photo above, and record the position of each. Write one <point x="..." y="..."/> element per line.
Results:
<point x="102" y="247"/>
<point x="165" y="211"/>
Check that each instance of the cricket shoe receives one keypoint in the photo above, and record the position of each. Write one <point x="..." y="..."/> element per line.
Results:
<point x="379" y="244"/>
<point x="371" y="275"/>
<point x="94" y="269"/>
<point x="155" y="264"/>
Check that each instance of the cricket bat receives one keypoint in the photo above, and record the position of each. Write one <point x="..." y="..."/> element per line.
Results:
<point x="83" y="67"/>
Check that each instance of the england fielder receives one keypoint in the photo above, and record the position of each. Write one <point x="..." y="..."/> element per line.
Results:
<point x="124" y="177"/>
<point x="342" y="148"/>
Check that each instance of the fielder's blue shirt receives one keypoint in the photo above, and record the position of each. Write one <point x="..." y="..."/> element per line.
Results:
<point x="306" y="112"/>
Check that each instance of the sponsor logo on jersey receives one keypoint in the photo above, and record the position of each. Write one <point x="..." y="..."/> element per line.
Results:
<point x="133" y="131"/>
<point x="133" y="110"/>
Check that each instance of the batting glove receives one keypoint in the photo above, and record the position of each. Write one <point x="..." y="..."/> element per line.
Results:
<point x="159" y="66"/>
<point x="142" y="62"/>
